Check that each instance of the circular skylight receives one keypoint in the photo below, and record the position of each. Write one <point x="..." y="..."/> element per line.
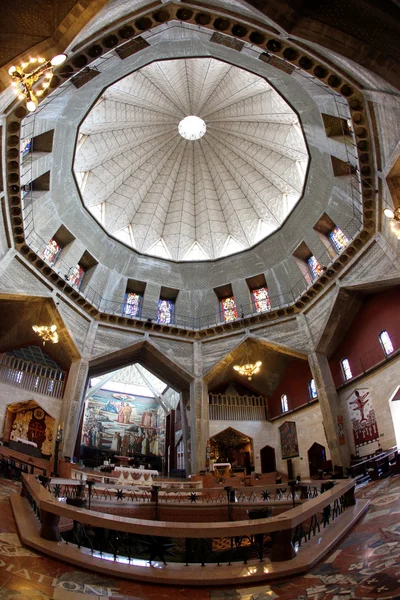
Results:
<point x="192" y="128"/>
<point x="150" y="189"/>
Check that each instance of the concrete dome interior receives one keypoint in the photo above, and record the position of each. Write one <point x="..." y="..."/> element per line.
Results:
<point x="164" y="196"/>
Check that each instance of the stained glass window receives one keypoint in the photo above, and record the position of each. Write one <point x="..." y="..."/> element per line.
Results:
<point x="346" y="369"/>
<point x="52" y="252"/>
<point x="338" y="239"/>
<point x="284" y="403"/>
<point x="165" y="311"/>
<point x="76" y="275"/>
<point x="314" y="266"/>
<point x="386" y="342"/>
<point x="228" y="309"/>
<point x="261" y="299"/>
<point x="26" y="146"/>
<point x="312" y="389"/>
<point x="132" y="304"/>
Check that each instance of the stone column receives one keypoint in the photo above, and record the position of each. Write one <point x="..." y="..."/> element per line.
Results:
<point x="330" y="407"/>
<point x="73" y="403"/>
<point x="199" y="423"/>
<point x="199" y="420"/>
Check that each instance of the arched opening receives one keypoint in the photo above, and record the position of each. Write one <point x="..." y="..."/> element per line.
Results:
<point x="267" y="457"/>
<point x="132" y="412"/>
<point x="316" y="459"/>
<point x="232" y="447"/>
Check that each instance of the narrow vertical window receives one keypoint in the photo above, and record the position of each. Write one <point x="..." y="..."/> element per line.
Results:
<point x="338" y="239"/>
<point x="165" y="311"/>
<point x="386" y="343"/>
<point x="347" y="374"/>
<point x="132" y="304"/>
<point x="312" y="388"/>
<point x="228" y="309"/>
<point x="261" y="299"/>
<point x="284" y="403"/>
<point x="314" y="266"/>
<point x="76" y="275"/>
<point x="51" y="252"/>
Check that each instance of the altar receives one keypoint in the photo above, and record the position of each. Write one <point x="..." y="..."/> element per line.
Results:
<point x="222" y="469"/>
<point x="137" y="476"/>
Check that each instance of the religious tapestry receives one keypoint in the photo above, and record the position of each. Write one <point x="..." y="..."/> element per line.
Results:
<point x="340" y="430"/>
<point x="124" y="424"/>
<point x="365" y="429"/>
<point x="289" y="442"/>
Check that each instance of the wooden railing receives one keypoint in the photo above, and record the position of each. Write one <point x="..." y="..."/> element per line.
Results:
<point x="32" y="376"/>
<point x="224" y="407"/>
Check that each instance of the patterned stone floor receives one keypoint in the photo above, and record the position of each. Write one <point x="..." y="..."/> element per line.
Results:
<point x="366" y="565"/>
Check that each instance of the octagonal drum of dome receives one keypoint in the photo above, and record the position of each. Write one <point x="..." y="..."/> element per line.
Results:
<point x="199" y="197"/>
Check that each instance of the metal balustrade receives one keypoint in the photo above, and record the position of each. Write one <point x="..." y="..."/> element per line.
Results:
<point x="224" y="407"/>
<point x="32" y="376"/>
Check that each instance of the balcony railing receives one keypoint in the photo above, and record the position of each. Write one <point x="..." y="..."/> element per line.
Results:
<point x="223" y="407"/>
<point x="32" y="376"/>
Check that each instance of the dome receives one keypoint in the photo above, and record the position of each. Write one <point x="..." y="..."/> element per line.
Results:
<point x="191" y="199"/>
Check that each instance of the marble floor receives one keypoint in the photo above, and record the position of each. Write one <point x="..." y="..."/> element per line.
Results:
<point x="365" y="565"/>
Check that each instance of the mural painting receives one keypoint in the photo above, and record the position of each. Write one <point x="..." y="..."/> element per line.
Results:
<point x="365" y="428"/>
<point x="289" y="442"/>
<point x="124" y="424"/>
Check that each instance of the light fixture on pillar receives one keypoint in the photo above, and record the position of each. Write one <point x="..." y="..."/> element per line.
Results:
<point x="394" y="216"/>
<point x="31" y="79"/>
<point x="48" y="333"/>
<point x="248" y="369"/>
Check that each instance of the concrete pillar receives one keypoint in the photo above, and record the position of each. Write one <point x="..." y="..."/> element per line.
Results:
<point x="73" y="404"/>
<point x="199" y="423"/>
<point x="199" y="419"/>
<point x="330" y="407"/>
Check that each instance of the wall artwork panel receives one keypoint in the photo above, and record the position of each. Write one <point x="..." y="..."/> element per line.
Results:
<point x="124" y="424"/>
<point x="363" y="420"/>
<point x="289" y="441"/>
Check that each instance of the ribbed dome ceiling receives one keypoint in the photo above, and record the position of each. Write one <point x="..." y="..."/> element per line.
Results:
<point x="190" y="199"/>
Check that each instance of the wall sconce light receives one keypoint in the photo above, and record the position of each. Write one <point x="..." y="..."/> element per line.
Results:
<point x="26" y="76"/>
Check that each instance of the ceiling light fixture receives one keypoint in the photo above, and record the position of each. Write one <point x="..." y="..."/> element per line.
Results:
<point x="249" y="369"/>
<point x="24" y="79"/>
<point x="394" y="216"/>
<point x="47" y="332"/>
<point x="192" y="128"/>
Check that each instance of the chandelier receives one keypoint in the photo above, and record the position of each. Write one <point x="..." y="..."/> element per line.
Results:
<point x="47" y="332"/>
<point x="27" y="75"/>
<point x="249" y="369"/>
<point x="394" y="216"/>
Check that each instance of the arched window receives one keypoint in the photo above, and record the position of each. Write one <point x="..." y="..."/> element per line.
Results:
<point x="386" y="342"/>
<point x="284" y="403"/>
<point x="312" y="388"/>
<point x="347" y="374"/>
